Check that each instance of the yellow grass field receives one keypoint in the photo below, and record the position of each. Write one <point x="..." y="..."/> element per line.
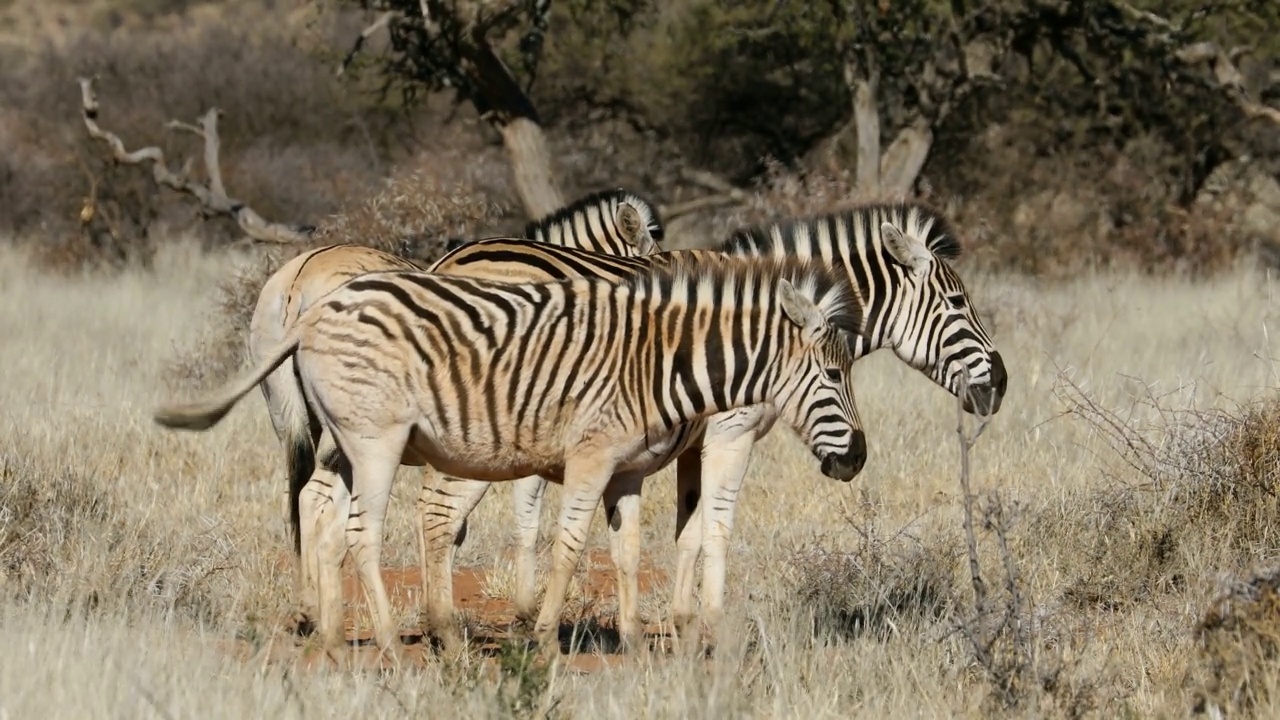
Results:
<point x="144" y="573"/>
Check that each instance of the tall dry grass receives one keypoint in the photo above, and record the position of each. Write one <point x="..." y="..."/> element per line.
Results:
<point x="133" y="557"/>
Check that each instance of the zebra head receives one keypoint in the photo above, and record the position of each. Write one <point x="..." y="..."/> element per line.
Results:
<point x="934" y="326"/>
<point x="818" y="400"/>
<point x="614" y="222"/>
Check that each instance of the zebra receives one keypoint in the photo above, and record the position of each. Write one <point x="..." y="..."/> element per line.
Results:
<point x="896" y="256"/>
<point x="617" y="222"/>
<point x="573" y="380"/>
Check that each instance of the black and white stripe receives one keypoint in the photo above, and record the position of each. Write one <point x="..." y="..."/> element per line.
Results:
<point x="576" y="380"/>
<point x="896" y="256"/>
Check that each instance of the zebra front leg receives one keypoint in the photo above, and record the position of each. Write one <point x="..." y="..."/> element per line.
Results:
<point x="443" y="508"/>
<point x="622" y="509"/>
<point x="585" y="479"/>
<point x="726" y="452"/>
<point x="526" y="503"/>
<point x="688" y="541"/>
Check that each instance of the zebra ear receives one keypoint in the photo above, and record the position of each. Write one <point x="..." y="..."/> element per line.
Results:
<point x="799" y="309"/>
<point x="632" y="228"/>
<point x="906" y="249"/>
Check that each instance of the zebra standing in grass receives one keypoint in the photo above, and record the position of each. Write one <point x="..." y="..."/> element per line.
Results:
<point x="576" y="380"/>
<point x="896" y="257"/>
<point x="616" y="222"/>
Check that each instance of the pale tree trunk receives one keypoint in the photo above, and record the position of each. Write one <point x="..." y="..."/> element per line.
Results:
<point x="500" y="100"/>
<point x="531" y="164"/>
<point x="866" y="119"/>
<point x="905" y="158"/>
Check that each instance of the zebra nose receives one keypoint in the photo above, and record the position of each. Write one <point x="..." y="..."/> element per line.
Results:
<point x="999" y="377"/>
<point x="846" y="466"/>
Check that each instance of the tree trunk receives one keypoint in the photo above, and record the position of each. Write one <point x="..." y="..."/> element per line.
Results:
<point x="531" y="163"/>
<point x="866" y="118"/>
<point x="905" y="158"/>
<point x="499" y="99"/>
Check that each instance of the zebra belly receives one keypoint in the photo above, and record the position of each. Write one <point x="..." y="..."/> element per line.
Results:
<point x="660" y="449"/>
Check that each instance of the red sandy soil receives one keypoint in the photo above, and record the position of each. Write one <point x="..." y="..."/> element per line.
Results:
<point x="490" y="619"/>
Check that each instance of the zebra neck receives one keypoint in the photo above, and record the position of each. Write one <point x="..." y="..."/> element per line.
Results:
<point x="878" y="288"/>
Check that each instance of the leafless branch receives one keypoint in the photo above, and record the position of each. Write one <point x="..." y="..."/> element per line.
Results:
<point x="725" y="195"/>
<point x="1226" y="75"/>
<point x="713" y="182"/>
<point x="383" y="20"/>
<point x="708" y="202"/>
<point x="213" y="197"/>
<point x="967" y="441"/>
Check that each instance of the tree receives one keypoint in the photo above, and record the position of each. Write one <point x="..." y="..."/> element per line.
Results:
<point x="437" y="45"/>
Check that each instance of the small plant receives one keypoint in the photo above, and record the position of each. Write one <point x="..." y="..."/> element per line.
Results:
<point x="524" y="685"/>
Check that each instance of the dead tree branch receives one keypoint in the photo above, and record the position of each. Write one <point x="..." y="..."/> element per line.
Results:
<point x="725" y="195"/>
<point x="213" y="196"/>
<point x="1228" y="78"/>
<point x="383" y="20"/>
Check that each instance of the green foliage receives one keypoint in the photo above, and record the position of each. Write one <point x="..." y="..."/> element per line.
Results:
<point x="525" y="683"/>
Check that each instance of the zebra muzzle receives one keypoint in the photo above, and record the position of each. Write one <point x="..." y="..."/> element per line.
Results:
<point x="985" y="399"/>
<point x="846" y="466"/>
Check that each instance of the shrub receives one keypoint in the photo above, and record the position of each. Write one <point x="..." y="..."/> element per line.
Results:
<point x="1209" y="490"/>
<point x="48" y="513"/>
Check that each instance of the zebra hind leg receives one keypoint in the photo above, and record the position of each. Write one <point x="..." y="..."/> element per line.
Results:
<point x="526" y="503"/>
<point x="586" y="476"/>
<point x="622" y="509"/>
<point x="443" y="507"/>
<point x="688" y="545"/>
<point x="374" y="461"/>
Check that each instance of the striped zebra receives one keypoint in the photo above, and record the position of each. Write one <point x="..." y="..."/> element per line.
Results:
<point x="896" y="257"/>
<point x="576" y="380"/>
<point x="617" y="222"/>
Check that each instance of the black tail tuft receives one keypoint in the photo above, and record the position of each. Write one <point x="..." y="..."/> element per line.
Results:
<point x="302" y="462"/>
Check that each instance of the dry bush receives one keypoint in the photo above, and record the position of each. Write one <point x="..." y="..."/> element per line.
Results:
<point x="53" y="519"/>
<point x="885" y="585"/>
<point x="1207" y="490"/>
<point x="414" y="214"/>
<point x="296" y="141"/>
<point x="1238" y="645"/>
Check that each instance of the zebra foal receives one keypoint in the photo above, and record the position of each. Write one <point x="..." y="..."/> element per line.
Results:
<point x="613" y="222"/>
<point x="577" y="381"/>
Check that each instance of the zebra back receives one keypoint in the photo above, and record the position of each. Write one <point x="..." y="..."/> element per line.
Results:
<point x="674" y="341"/>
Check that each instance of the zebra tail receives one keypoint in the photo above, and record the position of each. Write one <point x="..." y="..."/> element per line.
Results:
<point x="205" y="413"/>
<point x="300" y="452"/>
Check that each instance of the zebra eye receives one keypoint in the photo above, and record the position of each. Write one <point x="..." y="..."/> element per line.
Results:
<point x="834" y="375"/>
<point x="957" y="301"/>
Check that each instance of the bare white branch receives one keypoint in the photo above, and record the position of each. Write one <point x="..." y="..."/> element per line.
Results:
<point x="383" y="20"/>
<point x="1227" y="76"/>
<point x="212" y="196"/>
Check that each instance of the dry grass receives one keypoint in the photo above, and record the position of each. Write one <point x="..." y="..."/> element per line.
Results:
<point x="131" y="557"/>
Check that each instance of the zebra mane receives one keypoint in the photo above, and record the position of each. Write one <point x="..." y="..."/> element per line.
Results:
<point x="736" y="276"/>
<point x="602" y="198"/>
<point x="913" y="218"/>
